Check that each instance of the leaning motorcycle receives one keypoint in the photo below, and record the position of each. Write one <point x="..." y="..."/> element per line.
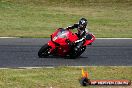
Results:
<point x="63" y="42"/>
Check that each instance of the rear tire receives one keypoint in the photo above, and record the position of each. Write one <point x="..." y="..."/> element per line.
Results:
<point x="77" y="52"/>
<point x="82" y="50"/>
<point x="44" y="51"/>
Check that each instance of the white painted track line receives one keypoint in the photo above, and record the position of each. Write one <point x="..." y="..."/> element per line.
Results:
<point x="9" y="37"/>
<point x="96" y="38"/>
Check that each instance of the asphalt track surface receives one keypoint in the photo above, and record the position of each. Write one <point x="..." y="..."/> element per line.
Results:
<point x="22" y="52"/>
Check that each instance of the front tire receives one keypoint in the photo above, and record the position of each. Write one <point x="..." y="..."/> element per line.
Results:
<point x="44" y="51"/>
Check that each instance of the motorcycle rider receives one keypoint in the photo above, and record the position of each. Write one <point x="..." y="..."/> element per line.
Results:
<point x="82" y="33"/>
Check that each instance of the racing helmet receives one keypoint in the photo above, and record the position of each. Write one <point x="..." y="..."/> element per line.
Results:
<point x="82" y="23"/>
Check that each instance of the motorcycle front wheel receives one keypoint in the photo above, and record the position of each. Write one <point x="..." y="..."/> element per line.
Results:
<point x="44" y="51"/>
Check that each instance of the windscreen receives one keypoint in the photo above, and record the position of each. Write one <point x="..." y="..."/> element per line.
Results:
<point x="62" y="33"/>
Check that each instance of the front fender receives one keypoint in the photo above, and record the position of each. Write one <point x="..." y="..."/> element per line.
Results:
<point x="52" y="45"/>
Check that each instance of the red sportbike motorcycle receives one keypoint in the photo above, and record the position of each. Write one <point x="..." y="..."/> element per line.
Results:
<point x="59" y="44"/>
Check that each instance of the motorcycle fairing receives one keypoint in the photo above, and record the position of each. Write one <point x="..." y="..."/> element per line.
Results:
<point x="87" y="42"/>
<point x="58" y="41"/>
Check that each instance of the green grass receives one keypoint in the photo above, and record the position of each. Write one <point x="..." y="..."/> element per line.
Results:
<point x="39" y="18"/>
<point x="60" y="77"/>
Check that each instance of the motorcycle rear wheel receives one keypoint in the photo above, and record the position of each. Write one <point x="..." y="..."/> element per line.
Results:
<point x="44" y="51"/>
<point x="77" y="53"/>
<point x="82" y="50"/>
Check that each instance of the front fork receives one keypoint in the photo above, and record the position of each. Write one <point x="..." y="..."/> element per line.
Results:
<point x="52" y="45"/>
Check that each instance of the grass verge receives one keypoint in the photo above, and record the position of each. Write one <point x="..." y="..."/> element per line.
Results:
<point x="60" y="77"/>
<point x="39" y="18"/>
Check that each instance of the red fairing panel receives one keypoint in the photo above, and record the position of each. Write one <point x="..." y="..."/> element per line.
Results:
<point x="89" y="41"/>
<point x="53" y="46"/>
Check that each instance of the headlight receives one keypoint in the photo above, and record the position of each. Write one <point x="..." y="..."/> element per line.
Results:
<point x="54" y="38"/>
